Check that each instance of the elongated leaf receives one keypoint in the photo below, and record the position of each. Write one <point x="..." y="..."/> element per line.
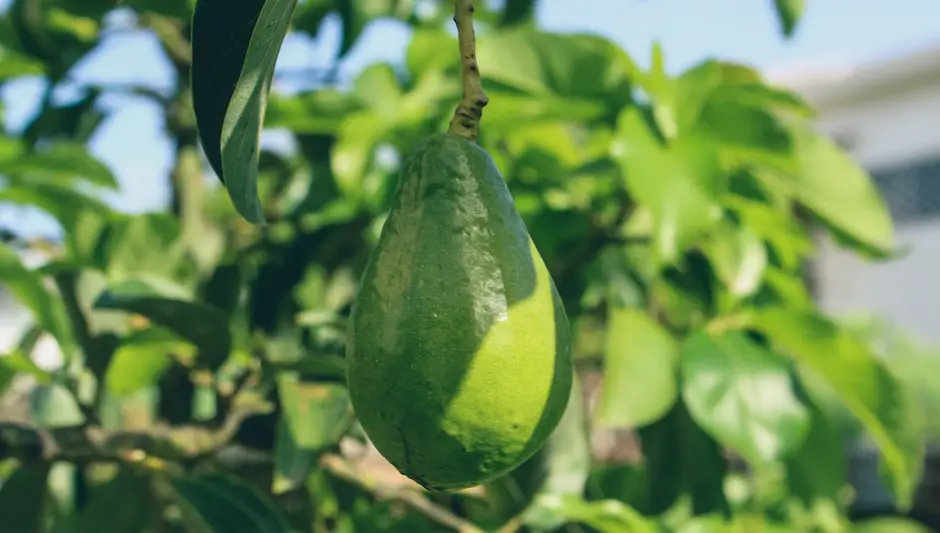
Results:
<point x="864" y="385"/>
<point x="789" y="13"/>
<point x="22" y="498"/>
<point x="741" y="394"/>
<point x="640" y="362"/>
<point x="738" y="257"/>
<point x="235" y="48"/>
<point x="27" y="287"/>
<point x="172" y="307"/>
<point x="226" y="505"/>
<point x="292" y="464"/>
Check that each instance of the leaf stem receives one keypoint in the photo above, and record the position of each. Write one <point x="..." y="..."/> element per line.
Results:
<point x="466" y="121"/>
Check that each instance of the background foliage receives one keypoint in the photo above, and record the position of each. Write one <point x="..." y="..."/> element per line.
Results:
<point x="202" y="381"/>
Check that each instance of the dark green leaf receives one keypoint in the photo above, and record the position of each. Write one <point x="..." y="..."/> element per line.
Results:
<point x="742" y="395"/>
<point x="172" y="307"/>
<point x="817" y="470"/>
<point x="235" y="48"/>
<point x="226" y="505"/>
<point x="181" y="9"/>
<point x="789" y="13"/>
<point x="640" y="362"/>
<point x="22" y="498"/>
<point x="680" y="461"/>
<point x="864" y="385"/>
<point x="119" y="506"/>
<point x="889" y="525"/>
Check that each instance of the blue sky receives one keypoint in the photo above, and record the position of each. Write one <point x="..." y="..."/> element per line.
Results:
<point x="834" y="32"/>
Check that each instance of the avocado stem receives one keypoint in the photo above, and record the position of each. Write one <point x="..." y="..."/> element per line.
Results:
<point x="466" y="121"/>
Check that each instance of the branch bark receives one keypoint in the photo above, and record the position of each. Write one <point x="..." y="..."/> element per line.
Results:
<point x="466" y="121"/>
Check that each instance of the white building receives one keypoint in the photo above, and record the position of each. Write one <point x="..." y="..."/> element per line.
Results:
<point x="887" y="116"/>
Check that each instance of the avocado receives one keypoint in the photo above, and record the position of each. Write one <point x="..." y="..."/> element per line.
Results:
<point x="458" y="353"/>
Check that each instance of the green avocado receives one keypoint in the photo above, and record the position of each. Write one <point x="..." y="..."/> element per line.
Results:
<point x="458" y="356"/>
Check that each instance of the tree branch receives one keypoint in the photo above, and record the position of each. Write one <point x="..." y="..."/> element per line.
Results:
<point x="466" y="121"/>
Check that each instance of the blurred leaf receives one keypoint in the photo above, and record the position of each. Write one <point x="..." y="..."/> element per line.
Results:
<point x="517" y="12"/>
<point x="640" y="362"/>
<point x="605" y="516"/>
<point x="317" y="414"/>
<point x="789" y="13"/>
<point x="789" y="239"/>
<point x="14" y="65"/>
<point x="838" y="190"/>
<point x="430" y="49"/>
<point x="63" y="202"/>
<point x="679" y="183"/>
<point x="742" y="395"/>
<point x="22" y="498"/>
<point x="27" y="287"/>
<point x="356" y="14"/>
<point x="233" y="65"/>
<point x="572" y="65"/>
<point x="738" y="257"/>
<point x="63" y="161"/>
<point x="879" y="401"/>
<point x="682" y="461"/>
<point x="142" y="358"/>
<point x="310" y="14"/>
<point x="817" y="469"/>
<point x="144" y="244"/>
<point x="227" y="505"/>
<point x="320" y="111"/>
<point x="292" y="464"/>
<point x="121" y="505"/>
<point x="17" y="362"/>
<point x="172" y="307"/>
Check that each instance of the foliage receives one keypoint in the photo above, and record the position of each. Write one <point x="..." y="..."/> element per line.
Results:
<point x="202" y="378"/>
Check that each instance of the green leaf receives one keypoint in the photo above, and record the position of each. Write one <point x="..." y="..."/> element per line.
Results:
<point x="62" y="201"/>
<point x="227" y="505"/>
<point x="27" y="287"/>
<point x="679" y="183"/>
<point x="17" y="362"/>
<point x="145" y="244"/>
<point x="640" y="363"/>
<point x="141" y="360"/>
<point x="317" y="414"/>
<point x="121" y="505"/>
<point x="14" y="65"/>
<point x="863" y="384"/>
<point x="604" y="516"/>
<point x="172" y="307"/>
<point x="22" y="498"/>
<point x="62" y="161"/>
<point x="682" y="461"/>
<point x="742" y="395"/>
<point x="292" y="464"/>
<point x="539" y="63"/>
<point x="738" y="256"/>
<point x="431" y="49"/>
<point x="235" y="48"/>
<point x="789" y="13"/>
<point x="837" y="190"/>
<point x="817" y="470"/>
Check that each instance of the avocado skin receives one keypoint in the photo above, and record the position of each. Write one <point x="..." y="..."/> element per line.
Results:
<point x="458" y="354"/>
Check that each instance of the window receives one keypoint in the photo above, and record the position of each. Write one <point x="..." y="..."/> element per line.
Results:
<point x="911" y="190"/>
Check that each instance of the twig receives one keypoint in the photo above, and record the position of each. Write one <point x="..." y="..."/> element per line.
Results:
<point x="466" y="121"/>
<point x="337" y="466"/>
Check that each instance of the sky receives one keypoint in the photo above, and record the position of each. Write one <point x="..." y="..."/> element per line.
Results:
<point x="834" y="33"/>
